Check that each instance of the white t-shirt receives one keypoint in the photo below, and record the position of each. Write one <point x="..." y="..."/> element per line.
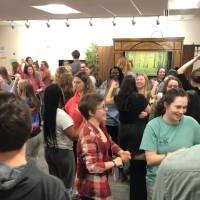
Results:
<point x="63" y="121"/>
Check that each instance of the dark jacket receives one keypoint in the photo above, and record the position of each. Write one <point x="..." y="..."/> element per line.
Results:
<point x="29" y="183"/>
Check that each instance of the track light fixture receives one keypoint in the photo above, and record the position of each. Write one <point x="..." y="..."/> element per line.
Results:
<point x="158" y="21"/>
<point x="12" y="25"/>
<point x="113" y="22"/>
<point x="67" y="23"/>
<point x="133" y="22"/>
<point x="166" y="12"/>
<point x="27" y="24"/>
<point x="90" y="22"/>
<point x="48" y="24"/>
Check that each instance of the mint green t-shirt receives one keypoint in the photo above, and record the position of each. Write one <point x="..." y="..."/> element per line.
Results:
<point x="162" y="137"/>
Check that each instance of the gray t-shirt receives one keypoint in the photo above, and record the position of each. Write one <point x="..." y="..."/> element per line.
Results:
<point x="63" y="121"/>
<point x="179" y="176"/>
<point x="75" y="66"/>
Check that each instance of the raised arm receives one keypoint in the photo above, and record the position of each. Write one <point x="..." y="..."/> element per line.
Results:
<point x="187" y="65"/>
<point x="154" y="89"/>
<point x="109" y="96"/>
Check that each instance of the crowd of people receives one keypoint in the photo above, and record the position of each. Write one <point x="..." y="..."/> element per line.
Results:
<point x="129" y="123"/>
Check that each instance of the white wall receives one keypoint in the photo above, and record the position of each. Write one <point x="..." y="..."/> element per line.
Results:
<point x="58" y="41"/>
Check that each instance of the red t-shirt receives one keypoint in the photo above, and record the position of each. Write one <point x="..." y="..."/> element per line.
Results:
<point x="71" y="107"/>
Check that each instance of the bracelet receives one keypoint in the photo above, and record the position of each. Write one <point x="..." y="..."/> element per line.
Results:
<point x="114" y="163"/>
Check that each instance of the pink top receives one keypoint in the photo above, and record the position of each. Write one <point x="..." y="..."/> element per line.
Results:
<point x="46" y="76"/>
<point x="36" y="82"/>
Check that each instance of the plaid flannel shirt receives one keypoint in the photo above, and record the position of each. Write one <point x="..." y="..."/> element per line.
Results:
<point x="92" y="176"/>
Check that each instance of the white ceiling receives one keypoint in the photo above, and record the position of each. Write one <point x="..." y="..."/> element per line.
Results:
<point x="22" y="10"/>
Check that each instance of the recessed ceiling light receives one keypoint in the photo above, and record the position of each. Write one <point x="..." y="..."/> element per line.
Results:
<point x="180" y="4"/>
<point x="56" y="9"/>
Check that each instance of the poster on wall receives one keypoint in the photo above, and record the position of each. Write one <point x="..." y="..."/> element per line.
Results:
<point x="148" y="62"/>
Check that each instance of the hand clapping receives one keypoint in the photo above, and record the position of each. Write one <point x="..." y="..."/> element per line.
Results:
<point x="125" y="156"/>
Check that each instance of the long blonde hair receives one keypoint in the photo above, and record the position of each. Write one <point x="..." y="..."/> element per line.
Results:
<point x="147" y="88"/>
<point x="124" y="64"/>
<point x="25" y="90"/>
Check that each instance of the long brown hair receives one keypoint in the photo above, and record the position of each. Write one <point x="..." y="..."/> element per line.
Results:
<point x="88" y="86"/>
<point x="169" y="98"/>
<point x="4" y="74"/>
<point x="26" y="70"/>
<point x="64" y="80"/>
<point x="168" y="79"/>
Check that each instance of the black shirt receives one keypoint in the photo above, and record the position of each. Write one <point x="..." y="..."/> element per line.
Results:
<point x="130" y="106"/>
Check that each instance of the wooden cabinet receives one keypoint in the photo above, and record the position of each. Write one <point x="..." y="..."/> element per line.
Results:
<point x="173" y="44"/>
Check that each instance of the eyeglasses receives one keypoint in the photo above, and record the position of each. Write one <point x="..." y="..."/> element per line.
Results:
<point x="102" y="107"/>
